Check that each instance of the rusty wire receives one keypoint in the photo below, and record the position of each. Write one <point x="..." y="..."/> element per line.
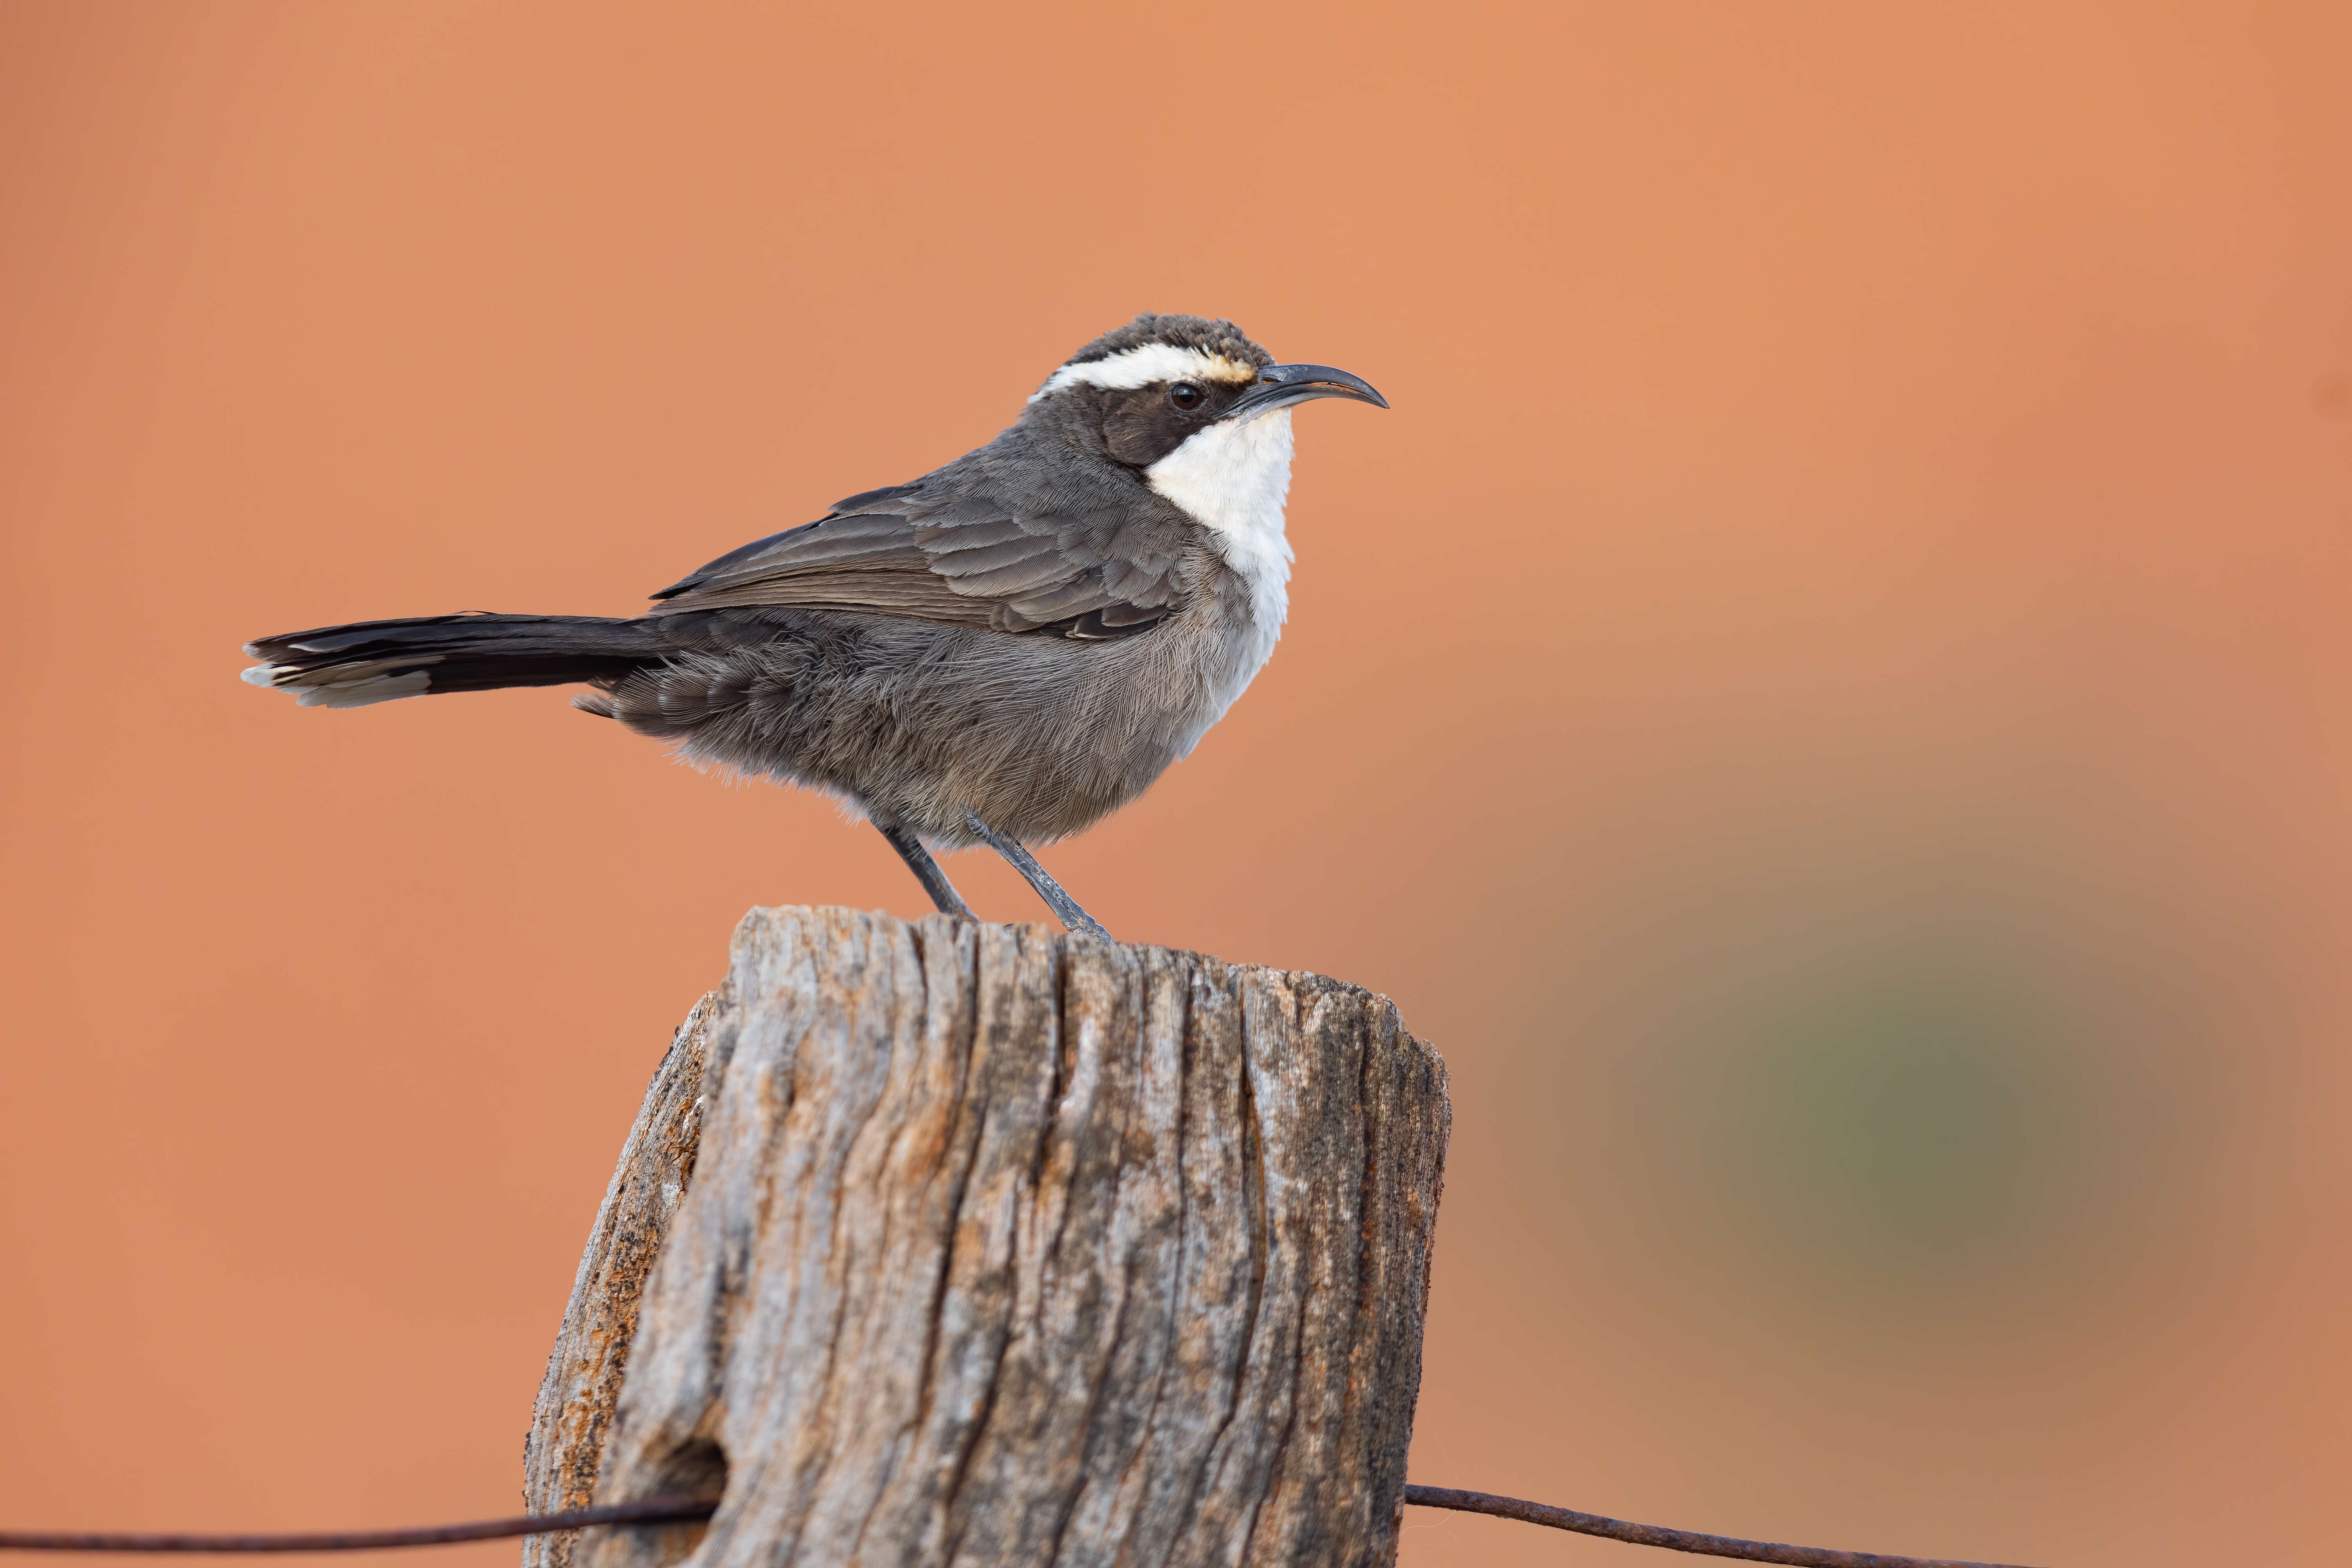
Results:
<point x="652" y="1510"/>
<point x="1672" y="1540"/>
<point x="687" y="1509"/>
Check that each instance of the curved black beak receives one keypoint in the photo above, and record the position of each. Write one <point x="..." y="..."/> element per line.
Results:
<point x="1282" y="385"/>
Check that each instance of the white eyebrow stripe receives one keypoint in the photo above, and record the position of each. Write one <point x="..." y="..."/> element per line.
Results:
<point x="1147" y="363"/>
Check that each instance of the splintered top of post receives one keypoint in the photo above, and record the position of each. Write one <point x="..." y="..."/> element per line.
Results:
<point x="803" y="922"/>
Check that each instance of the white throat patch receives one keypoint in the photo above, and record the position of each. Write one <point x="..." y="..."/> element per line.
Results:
<point x="1143" y="366"/>
<point x="1232" y="478"/>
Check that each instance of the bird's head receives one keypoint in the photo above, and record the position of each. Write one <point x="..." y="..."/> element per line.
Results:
<point x="1146" y="390"/>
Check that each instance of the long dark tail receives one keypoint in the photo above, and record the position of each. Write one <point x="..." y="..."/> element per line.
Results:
<point x="375" y="661"/>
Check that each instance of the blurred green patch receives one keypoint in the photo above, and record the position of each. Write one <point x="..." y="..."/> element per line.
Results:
<point x="1899" y="1119"/>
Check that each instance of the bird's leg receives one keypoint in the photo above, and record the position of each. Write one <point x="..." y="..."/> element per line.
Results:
<point x="927" y="871"/>
<point x="1064" y="906"/>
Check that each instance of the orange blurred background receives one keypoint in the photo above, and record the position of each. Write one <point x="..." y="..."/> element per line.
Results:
<point x="1824" y="699"/>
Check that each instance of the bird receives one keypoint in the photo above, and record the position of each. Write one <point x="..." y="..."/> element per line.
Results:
<point x="1002" y="652"/>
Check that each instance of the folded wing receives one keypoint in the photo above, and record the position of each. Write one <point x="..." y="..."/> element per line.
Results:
<point x="963" y="556"/>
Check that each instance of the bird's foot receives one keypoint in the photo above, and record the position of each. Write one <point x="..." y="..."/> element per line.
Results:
<point x="1065" y="907"/>
<point x="927" y="871"/>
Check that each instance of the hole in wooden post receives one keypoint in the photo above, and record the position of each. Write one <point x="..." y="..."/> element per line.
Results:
<point x="697" y="1469"/>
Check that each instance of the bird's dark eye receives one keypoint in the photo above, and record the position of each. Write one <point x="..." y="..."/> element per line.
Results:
<point x="1184" y="395"/>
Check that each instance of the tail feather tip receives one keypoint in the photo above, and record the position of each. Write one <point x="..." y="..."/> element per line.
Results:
<point x="323" y="689"/>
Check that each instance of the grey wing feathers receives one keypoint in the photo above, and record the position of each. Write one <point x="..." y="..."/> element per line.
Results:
<point x="963" y="559"/>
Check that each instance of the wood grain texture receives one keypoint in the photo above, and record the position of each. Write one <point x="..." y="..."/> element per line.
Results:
<point x="1005" y="1247"/>
<point x="576" y="1398"/>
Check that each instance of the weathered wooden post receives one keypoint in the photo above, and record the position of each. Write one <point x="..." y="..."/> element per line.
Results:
<point x="939" y="1243"/>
